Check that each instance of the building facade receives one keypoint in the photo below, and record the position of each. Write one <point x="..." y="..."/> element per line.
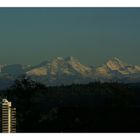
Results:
<point x="7" y="117"/>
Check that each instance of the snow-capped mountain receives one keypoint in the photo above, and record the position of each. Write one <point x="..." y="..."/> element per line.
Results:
<point x="61" y="71"/>
<point x="69" y="70"/>
<point x="61" y="66"/>
<point x="115" y="65"/>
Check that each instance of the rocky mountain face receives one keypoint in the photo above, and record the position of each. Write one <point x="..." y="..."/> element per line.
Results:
<point x="69" y="70"/>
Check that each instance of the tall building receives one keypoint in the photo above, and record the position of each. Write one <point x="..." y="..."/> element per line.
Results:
<point x="7" y="117"/>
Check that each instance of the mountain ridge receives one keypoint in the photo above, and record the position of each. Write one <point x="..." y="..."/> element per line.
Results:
<point x="69" y="70"/>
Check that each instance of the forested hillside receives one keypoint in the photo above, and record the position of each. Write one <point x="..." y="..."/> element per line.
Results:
<point x="93" y="107"/>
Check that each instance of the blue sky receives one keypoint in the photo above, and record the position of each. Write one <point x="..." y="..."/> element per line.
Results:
<point x="93" y="35"/>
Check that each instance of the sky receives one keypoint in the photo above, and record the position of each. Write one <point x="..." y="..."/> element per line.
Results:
<point x="92" y="35"/>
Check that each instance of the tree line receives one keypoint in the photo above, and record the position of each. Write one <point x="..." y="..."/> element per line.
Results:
<point x="92" y="107"/>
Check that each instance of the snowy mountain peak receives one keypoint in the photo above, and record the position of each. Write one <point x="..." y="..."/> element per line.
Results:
<point x="115" y="64"/>
<point x="116" y="58"/>
<point x="59" y="58"/>
<point x="77" y="66"/>
<point x="62" y="66"/>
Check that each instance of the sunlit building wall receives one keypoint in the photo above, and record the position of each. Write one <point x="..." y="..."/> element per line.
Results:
<point x="7" y="117"/>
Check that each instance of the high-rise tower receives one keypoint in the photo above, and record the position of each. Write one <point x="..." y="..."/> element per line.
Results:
<point x="7" y="117"/>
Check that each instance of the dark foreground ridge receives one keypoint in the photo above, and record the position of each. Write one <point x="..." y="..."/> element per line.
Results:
<point x="93" y="107"/>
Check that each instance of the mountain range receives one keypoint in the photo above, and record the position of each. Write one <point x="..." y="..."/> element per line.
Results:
<point x="69" y="70"/>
